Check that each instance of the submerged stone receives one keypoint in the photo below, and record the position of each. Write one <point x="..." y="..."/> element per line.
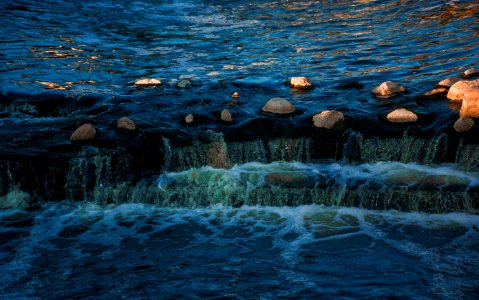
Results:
<point x="437" y="92"/>
<point x="463" y="124"/>
<point x="85" y="132"/>
<point x="301" y="83"/>
<point x="388" y="88"/>
<point x="148" y="82"/>
<point x="457" y="90"/>
<point x="470" y="103"/>
<point x="226" y="116"/>
<point x="279" y="106"/>
<point x="473" y="72"/>
<point x="126" y="123"/>
<point x="290" y="180"/>
<point x="448" y="82"/>
<point x="401" y="115"/>
<point x="183" y="83"/>
<point x="328" y="119"/>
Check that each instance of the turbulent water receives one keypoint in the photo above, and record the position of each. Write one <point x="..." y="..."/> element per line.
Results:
<point x="137" y="251"/>
<point x="258" y="229"/>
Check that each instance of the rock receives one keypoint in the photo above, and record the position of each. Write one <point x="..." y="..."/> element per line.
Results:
<point x="226" y="115"/>
<point x="84" y="132"/>
<point x="463" y="124"/>
<point x="328" y="119"/>
<point x="470" y="103"/>
<point x="235" y="95"/>
<point x="189" y="119"/>
<point x="401" y="115"/>
<point x="448" y="82"/>
<point x="287" y="180"/>
<point x="148" y="82"/>
<point x="388" y="88"/>
<point x="456" y="91"/>
<point x="301" y="83"/>
<point x="470" y="73"/>
<point x="217" y="156"/>
<point x="437" y="92"/>
<point x="126" y="123"/>
<point x="279" y="106"/>
<point x="183" y="83"/>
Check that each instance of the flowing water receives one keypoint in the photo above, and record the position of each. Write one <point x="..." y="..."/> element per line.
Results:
<point x="264" y="228"/>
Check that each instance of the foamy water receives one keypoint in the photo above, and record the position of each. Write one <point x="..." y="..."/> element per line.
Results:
<point x="138" y="250"/>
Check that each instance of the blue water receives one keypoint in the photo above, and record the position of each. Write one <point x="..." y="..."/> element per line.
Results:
<point x="138" y="251"/>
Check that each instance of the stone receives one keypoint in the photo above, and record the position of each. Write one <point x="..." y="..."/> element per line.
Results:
<point x="183" y="83"/>
<point x="217" y="156"/>
<point x="189" y="119"/>
<point x="388" y="88"/>
<point x="279" y="106"/>
<point x="286" y="179"/>
<point x="437" y="92"/>
<point x="126" y="123"/>
<point x="148" y="82"/>
<point x="470" y="103"/>
<point x="85" y="132"/>
<point x="456" y="91"/>
<point x="470" y="73"/>
<point x="235" y="95"/>
<point x="226" y="115"/>
<point x="301" y="83"/>
<point x="328" y="119"/>
<point x="463" y="124"/>
<point x="401" y="115"/>
<point x="448" y="82"/>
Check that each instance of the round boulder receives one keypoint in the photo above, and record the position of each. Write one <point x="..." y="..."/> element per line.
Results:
<point x="148" y="82"/>
<point x="328" y="119"/>
<point x="84" y="132"/>
<point x="456" y="91"/>
<point x="401" y="115"/>
<point x="226" y="116"/>
<point x="278" y="106"/>
<point x="301" y="83"/>
<point x="388" y="88"/>
<point x="470" y="103"/>
<point x="463" y="124"/>
<point x="126" y="123"/>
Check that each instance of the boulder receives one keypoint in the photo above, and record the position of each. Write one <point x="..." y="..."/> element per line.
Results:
<point x="148" y="82"/>
<point x="126" y="123"/>
<point x="301" y="83"/>
<point x="388" y="88"/>
<point x="401" y="115"/>
<point x="448" y="82"/>
<point x="226" y="115"/>
<point x="470" y="103"/>
<point x="456" y="91"/>
<point x="470" y="73"/>
<point x="328" y="119"/>
<point x="278" y="106"/>
<point x="85" y="132"/>
<point x="463" y="124"/>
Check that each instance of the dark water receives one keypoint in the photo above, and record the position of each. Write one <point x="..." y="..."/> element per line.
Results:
<point x="137" y="251"/>
<point x="91" y="52"/>
<point x="252" y="47"/>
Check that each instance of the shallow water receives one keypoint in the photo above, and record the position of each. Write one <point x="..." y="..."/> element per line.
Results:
<point x="248" y="46"/>
<point x="142" y="251"/>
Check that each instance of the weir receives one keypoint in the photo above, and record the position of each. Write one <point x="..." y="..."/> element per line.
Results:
<point x="438" y="174"/>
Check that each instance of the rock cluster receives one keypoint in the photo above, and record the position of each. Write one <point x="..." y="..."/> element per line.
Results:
<point x="457" y="90"/>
